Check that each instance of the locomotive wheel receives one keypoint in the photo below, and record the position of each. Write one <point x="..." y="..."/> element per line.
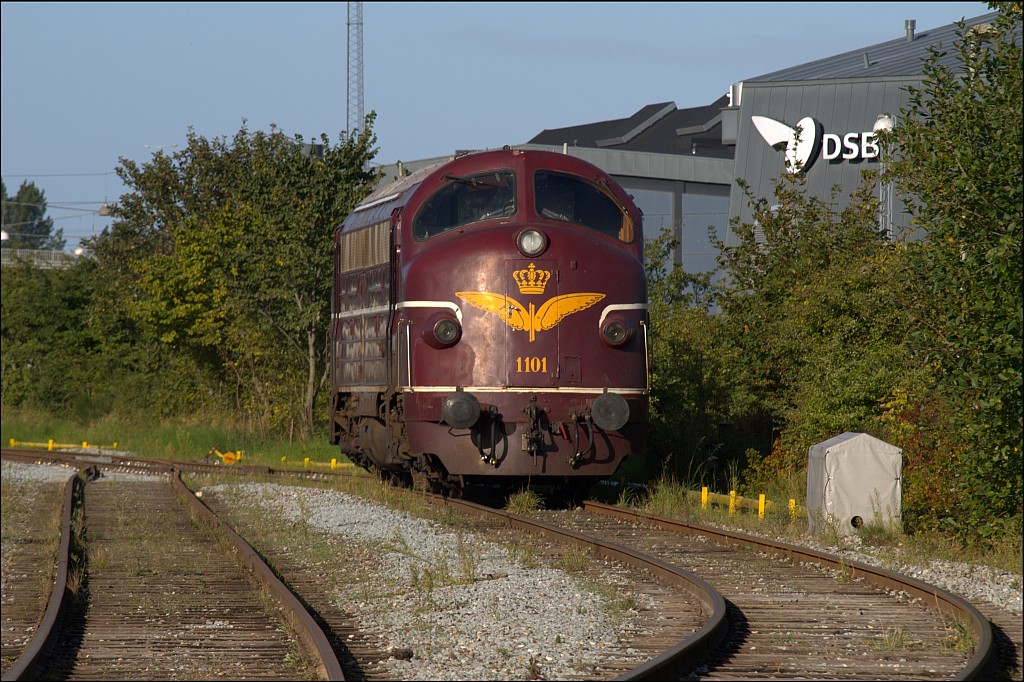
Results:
<point x="429" y="474"/>
<point x="454" y="486"/>
<point x="399" y="479"/>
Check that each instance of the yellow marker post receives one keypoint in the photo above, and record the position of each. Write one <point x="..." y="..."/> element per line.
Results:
<point x="760" y="506"/>
<point x="49" y="445"/>
<point x="283" y="458"/>
<point x="732" y="502"/>
<point x="334" y="462"/>
<point x="704" y="497"/>
<point x="792" y="508"/>
<point x="305" y="462"/>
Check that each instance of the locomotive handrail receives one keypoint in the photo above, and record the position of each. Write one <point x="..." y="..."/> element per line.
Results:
<point x="647" y="357"/>
<point x="408" y="354"/>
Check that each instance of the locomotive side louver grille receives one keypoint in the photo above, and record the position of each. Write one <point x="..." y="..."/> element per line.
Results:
<point x="365" y="248"/>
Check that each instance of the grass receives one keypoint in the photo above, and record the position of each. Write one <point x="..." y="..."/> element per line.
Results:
<point x="525" y="554"/>
<point x="896" y="639"/>
<point x="524" y="502"/>
<point x="961" y="637"/>
<point x="192" y="442"/>
<point x="574" y="559"/>
<point x="181" y="441"/>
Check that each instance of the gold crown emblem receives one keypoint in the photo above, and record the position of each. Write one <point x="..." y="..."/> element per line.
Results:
<point x="531" y="280"/>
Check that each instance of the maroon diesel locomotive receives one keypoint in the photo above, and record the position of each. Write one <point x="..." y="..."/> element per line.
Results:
<point x="489" y="325"/>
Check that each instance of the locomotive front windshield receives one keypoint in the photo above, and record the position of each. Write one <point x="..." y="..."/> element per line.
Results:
<point x="467" y="199"/>
<point x="573" y="200"/>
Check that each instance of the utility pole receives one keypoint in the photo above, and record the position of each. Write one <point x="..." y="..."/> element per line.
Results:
<point x="354" y="108"/>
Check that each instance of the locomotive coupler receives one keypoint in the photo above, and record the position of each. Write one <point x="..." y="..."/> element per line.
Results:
<point x="533" y="438"/>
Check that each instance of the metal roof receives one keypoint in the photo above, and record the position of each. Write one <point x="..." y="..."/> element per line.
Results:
<point x="898" y="58"/>
<point x="659" y="128"/>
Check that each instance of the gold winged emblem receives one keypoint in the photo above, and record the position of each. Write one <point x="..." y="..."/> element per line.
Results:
<point x="521" y="318"/>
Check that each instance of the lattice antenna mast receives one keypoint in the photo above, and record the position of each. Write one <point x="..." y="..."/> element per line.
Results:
<point x="354" y="108"/>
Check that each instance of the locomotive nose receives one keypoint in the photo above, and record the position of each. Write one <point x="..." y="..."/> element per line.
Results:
<point x="460" y="409"/>
<point x="610" y="411"/>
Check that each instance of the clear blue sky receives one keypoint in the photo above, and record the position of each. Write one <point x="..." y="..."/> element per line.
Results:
<point x="84" y="84"/>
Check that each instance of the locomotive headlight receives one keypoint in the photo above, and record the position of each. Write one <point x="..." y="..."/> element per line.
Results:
<point x="446" y="331"/>
<point x="617" y="333"/>
<point x="532" y="242"/>
<point x="441" y="331"/>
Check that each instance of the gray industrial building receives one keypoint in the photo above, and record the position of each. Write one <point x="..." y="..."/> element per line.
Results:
<point x="818" y="119"/>
<point x="841" y="101"/>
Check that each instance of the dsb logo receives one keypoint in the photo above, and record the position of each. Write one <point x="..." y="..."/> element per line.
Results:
<point x="803" y="142"/>
<point x="852" y="145"/>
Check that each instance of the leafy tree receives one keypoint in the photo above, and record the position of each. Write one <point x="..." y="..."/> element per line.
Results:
<point x="25" y="221"/>
<point x="68" y="352"/>
<point x="224" y="249"/>
<point x="688" y="397"/>
<point x="812" y="326"/>
<point x="49" y="358"/>
<point x="958" y="160"/>
<point x="795" y="245"/>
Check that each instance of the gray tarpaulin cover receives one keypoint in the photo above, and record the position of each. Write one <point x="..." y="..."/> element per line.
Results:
<point x="851" y="479"/>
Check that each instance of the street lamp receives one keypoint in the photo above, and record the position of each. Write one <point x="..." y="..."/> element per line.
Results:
<point x="883" y="124"/>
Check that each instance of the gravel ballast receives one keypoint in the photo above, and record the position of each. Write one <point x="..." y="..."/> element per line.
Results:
<point x="486" y="616"/>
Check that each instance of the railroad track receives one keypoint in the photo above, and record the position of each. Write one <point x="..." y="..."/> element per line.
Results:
<point x="689" y="617"/>
<point x="358" y="652"/>
<point x="775" y="620"/>
<point x="683" y="604"/>
<point x="169" y="593"/>
<point x="795" y="613"/>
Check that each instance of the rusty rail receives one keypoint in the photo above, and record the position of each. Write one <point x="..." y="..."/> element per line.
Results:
<point x="977" y="666"/>
<point x="309" y="633"/>
<point x="306" y="629"/>
<point x="25" y="664"/>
